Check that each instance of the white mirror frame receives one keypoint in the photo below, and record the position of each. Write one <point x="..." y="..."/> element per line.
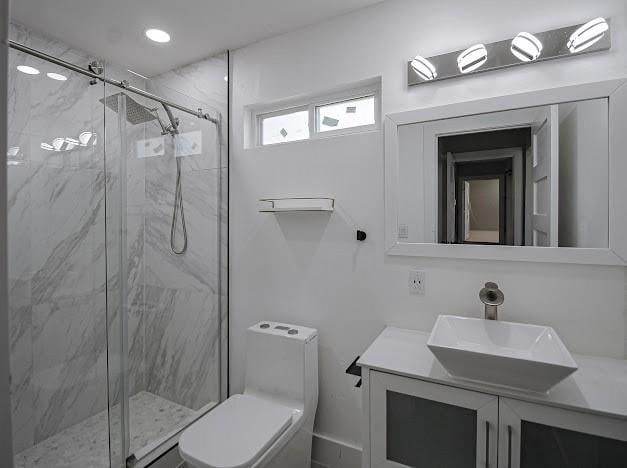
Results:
<point x="616" y="93"/>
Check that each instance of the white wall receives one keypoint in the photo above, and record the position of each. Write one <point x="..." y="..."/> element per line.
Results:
<point x="308" y="269"/>
<point x="583" y="174"/>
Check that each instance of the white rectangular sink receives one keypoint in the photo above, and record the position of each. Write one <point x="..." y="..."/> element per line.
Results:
<point x="516" y="355"/>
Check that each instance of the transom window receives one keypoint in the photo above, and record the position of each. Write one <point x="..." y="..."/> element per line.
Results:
<point x="352" y="111"/>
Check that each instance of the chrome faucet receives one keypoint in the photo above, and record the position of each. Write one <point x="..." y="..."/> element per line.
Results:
<point x="492" y="297"/>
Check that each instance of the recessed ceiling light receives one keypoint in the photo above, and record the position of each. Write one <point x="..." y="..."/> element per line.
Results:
<point x="28" y="70"/>
<point x="587" y="35"/>
<point x="526" y="47"/>
<point x="226" y="77"/>
<point x="56" y="76"/>
<point x="157" y="35"/>
<point x="425" y="69"/>
<point x="472" y="58"/>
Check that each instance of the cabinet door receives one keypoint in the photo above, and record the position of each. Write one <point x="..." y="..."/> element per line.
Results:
<point x="424" y="425"/>
<point x="537" y="436"/>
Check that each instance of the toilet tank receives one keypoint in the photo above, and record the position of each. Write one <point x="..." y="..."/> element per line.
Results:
<point x="282" y="363"/>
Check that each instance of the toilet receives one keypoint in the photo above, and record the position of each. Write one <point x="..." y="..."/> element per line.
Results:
<point x="270" y="425"/>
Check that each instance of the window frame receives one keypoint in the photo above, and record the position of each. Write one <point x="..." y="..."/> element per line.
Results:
<point x="311" y="105"/>
<point x="260" y="117"/>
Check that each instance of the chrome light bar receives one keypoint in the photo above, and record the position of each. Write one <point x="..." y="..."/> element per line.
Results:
<point x="524" y="48"/>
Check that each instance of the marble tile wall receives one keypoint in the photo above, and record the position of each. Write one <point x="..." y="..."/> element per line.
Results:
<point x="184" y="330"/>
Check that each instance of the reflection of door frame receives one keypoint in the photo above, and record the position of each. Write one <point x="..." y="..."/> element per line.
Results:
<point x="488" y="169"/>
<point x="517" y="155"/>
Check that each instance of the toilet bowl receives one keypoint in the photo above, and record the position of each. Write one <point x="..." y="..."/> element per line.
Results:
<point x="270" y="425"/>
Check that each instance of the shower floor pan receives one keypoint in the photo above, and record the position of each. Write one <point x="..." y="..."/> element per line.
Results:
<point x="86" y="444"/>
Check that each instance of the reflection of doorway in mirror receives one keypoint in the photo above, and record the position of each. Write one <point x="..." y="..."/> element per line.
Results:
<point x="483" y="201"/>
<point x="485" y="190"/>
<point x="482" y="205"/>
<point x="525" y="161"/>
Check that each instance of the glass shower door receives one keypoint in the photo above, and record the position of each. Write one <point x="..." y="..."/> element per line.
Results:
<point x="165" y="233"/>
<point x="117" y="254"/>
<point x="57" y="263"/>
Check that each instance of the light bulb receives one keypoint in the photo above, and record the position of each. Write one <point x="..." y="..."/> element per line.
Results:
<point x="423" y="68"/>
<point x="587" y="35"/>
<point x="56" y="76"/>
<point x="472" y="58"/>
<point x="526" y="47"/>
<point x="28" y="70"/>
<point x="157" y="35"/>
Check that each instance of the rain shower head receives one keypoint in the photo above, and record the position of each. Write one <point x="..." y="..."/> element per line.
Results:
<point x="136" y="113"/>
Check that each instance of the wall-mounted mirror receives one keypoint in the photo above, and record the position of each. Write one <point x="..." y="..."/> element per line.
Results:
<point x="477" y="179"/>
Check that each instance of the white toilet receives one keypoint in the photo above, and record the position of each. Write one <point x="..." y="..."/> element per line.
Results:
<point x="270" y="425"/>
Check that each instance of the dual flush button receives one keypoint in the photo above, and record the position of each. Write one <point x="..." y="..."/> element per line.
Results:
<point x="290" y="331"/>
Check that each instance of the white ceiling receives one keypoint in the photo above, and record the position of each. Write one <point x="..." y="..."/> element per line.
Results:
<point x="114" y="29"/>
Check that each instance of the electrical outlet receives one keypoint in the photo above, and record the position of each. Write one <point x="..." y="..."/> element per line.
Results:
<point x="417" y="282"/>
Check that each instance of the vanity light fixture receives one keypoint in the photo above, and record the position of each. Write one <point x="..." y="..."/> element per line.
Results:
<point x="425" y="69"/>
<point x="86" y="137"/>
<point x="157" y="35"/>
<point x="14" y="157"/>
<point x="28" y="70"/>
<point x="56" y="76"/>
<point x="526" y="47"/>
<point x="587" y="35"/>
<point x="472" y="58"/>
<point x="60" y="144"/>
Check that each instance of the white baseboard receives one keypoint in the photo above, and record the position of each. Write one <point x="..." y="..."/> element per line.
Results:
<point x="327" y="452"/>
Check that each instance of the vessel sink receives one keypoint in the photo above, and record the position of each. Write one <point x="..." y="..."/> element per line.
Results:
<point x="516" y="355"/>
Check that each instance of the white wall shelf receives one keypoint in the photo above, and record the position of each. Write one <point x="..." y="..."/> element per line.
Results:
<point x="279" y="205"/>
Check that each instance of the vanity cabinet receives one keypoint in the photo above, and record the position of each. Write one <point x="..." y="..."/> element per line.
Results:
<point x="537" y="436"/>
<point x="419" y="424"/>
<point x="416" y="415"/>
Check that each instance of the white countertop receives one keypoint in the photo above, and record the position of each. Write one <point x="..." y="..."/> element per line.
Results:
<point x="599" y="386"/>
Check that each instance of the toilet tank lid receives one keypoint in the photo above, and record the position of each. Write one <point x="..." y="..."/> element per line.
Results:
<point x="287" y="330"/>
<point x="236" y="433"/>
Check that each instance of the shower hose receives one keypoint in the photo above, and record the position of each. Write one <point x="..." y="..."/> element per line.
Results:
<point x="178" y="213"/>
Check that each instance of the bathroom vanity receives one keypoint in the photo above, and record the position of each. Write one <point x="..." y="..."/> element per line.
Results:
<point x="417" y="415"/>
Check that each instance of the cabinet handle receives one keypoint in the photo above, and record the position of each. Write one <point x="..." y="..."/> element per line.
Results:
<point x="509" y="446"/>
<point x="487" y="444"/>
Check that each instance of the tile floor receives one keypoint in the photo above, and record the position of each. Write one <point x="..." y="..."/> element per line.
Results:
<point x="86" y="444"/>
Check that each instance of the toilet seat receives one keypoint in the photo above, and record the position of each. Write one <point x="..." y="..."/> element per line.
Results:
<point x="236" y="433"/>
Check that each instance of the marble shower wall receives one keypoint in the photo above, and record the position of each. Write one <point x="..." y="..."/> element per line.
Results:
<point x="183" y="292"/>
<point x="57" y="269"/>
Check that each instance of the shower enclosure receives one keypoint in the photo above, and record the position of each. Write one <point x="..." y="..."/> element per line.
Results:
<point x="117" y="254"/>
